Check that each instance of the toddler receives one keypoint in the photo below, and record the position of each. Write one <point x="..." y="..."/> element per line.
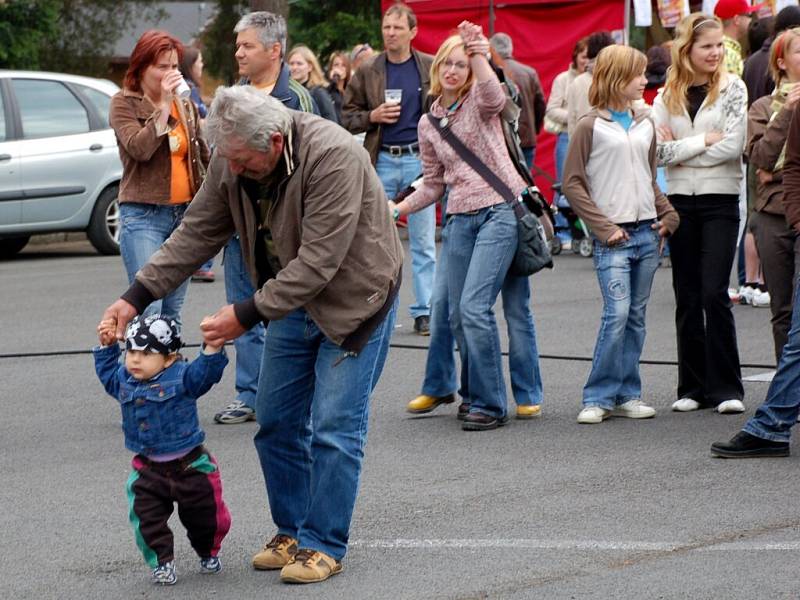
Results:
<point x="158" y="391"/>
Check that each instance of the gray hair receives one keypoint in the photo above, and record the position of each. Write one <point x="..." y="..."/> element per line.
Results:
<point x="272" y="27"/>
<point x="502" y="44"/>
<point x="248" y="115"/>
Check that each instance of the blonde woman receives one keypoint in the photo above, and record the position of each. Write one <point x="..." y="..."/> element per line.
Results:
<point x="629" y="216"/>
<point x="306" y="70"/>
<point x="701" y="114"/>
<point x="480" y="237"/>
<point x="768" y="129"/>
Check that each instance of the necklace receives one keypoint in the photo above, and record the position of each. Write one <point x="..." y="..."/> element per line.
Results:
<point x="453" y="108"/>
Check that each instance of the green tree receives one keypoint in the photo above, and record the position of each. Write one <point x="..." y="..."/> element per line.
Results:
<point x="328" y="25"/>
<point x="24" y="25"/>
<point x="87" y="32"/>
<point x="219" y="42"/>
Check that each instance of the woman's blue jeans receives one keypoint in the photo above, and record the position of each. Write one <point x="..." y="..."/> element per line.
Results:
<point x="144" y="228"/>
<point x="480" y="246"/>
<point x="625" y="273"/>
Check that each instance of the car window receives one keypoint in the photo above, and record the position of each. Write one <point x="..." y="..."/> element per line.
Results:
<point x="101" y="101"/>
<point x="2" y="120"/>
<point x="48" y="109"/>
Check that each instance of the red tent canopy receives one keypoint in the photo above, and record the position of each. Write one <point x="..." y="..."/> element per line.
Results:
<point x="544" y="33"/>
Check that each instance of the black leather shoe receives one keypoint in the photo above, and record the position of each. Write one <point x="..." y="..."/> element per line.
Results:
<point x="463" y="411"/>
<point x="422" y="325"/>
<point x="744" y="445"/>
<point x="482" y="422"/>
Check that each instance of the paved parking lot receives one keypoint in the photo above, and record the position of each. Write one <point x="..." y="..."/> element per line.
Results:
<point x="539" y="509"/>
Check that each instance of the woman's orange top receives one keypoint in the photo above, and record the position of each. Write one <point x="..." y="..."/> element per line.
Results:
<point x="180" y="189"/>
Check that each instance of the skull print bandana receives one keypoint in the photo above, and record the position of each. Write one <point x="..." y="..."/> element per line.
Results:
<point x="153" y="333"/>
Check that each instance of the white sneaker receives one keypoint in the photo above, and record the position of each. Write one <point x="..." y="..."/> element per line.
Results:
<point x="592" y="415"/>
<point x="685" y="405"/>
<point x="729" y="407"/>
<point x="760" y="299"/>
<point x="746" y="294"/>
<point x="634" y="409"/>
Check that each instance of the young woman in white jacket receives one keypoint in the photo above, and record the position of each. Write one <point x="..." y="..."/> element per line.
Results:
<point x="701" y="115"/>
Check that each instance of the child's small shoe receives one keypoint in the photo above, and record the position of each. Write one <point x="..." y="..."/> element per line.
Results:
<point x="212" y="564"/>
<point x="164" y="574"/>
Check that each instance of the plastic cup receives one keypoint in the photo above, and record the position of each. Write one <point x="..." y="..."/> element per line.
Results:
<point x="393" y="96"/>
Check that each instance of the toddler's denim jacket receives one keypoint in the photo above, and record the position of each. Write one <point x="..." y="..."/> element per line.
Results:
<point x="159" y="416"/>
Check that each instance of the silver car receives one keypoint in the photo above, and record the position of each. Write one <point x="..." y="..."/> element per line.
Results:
<point x="59" y="164"/>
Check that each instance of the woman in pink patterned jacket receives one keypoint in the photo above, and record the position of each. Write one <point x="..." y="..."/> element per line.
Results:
<point x="480" y="236"/>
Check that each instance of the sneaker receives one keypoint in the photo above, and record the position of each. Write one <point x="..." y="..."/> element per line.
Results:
<point x="685" y="405"/>
<point x="634" y="409"/>
<point x="212" y="564"/>
<point x="761" y="299"/>
<point x="236" y="412"/>
<point x="422" y="325"/>
<point x="164" y="574"/>
<point x="480" y="422"/>
<point x="463" y="411"/>
<point x="591" y="415"/>
<point x="277" y="553"/>
<point x="744" y="445"/>
<point x="730" y="407"/>
<point x="424" y="404"/>
<point x="203" y="276"/>
<point x="529" y="411"/>
<point x="310" y="566"/>
<point x="746" y="293"/>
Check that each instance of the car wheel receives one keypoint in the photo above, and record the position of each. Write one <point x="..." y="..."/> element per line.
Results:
<point x="10" y="247"/>
<point x="104" y="227"/>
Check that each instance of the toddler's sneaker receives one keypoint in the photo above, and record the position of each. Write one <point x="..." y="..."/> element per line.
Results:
<point x="212" y="564"/>
<point x="164" y="574"/>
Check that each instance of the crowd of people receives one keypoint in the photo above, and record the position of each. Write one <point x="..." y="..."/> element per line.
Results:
<point x="313" y="261"/>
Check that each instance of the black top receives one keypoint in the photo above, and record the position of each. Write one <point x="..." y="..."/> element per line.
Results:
<point x="695" y="96"/>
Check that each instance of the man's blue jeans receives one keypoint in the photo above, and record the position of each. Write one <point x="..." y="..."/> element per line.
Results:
<point x="479" y="249"/>
<point x="144" y="228"/>
<point x="523" y="355"/>
<point x="250" y="345"/>
<point x="775" y="418"/>
<point x="312" y="409"/>
<point x="625" y="273"/>
<point x="397" y="173"/>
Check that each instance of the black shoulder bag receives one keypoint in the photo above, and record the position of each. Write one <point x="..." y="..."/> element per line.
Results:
<point x="533" y="251"/>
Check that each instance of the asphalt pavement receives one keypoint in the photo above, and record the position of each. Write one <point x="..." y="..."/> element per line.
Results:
<point x="544" y="508"/>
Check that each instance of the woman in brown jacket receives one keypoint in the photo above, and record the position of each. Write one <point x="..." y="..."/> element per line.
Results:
<point x="162" y="153"/>
<point x="767" y="129"/>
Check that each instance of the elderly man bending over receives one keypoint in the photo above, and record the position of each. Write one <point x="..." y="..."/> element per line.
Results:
<point x="320" y="244"/>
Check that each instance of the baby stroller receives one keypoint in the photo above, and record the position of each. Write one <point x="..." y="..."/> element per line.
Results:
<point x="569" y="226"/>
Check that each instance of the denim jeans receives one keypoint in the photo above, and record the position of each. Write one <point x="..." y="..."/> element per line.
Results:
<point x="625" y="273"/>
<point x="523" y="355"/>
<point x="144" y="228"/>
<point x="250" y="345"/>
<point x="775" y="418"/>
<point x="479" y="249"/>
<point x="312" y="409"/>
<point x="397" y="173"/>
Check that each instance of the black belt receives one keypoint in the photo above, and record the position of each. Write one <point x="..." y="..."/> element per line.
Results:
<point x="636" y="223"/>
<point x="400" y="150"/>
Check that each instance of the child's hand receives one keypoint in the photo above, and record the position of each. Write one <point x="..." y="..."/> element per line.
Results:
<point x="106" y="332"/>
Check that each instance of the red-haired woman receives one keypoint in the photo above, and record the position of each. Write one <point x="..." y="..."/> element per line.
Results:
<point x="162" y="155"/>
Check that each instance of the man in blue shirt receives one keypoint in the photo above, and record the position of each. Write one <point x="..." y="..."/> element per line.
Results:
<point x="391" y="136"/>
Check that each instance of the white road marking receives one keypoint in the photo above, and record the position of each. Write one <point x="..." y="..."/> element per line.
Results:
<point x="599" y="545"/>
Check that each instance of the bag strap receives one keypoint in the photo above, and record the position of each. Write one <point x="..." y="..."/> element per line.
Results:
<point x="469" y="157"/>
